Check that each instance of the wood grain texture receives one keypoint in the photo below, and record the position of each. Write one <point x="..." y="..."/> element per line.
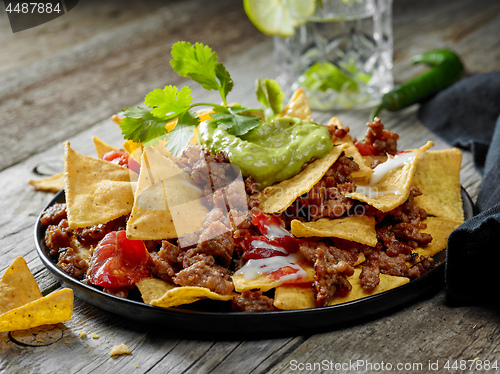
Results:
<point x="63" y="81"/>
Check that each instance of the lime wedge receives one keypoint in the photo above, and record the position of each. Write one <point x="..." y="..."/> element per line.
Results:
<point x="278" y="17"/>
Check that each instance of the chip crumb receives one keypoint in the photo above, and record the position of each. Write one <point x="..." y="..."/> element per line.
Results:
<point x="82" y="334"/>
<point x="40" y="340"/>
<point x="67" y="342"/>
<point x="119" y="350"/>
<point x="94" y="335"/>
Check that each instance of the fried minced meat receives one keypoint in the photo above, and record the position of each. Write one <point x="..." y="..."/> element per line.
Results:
<point x="54" y="214"/>
<point x="326" y="198"/>
<point x="206" y="274"/>
<point x="165" y="261"/>
<point x="210" y="171"/>
<point x="253" y="301"/>
<point x="384" y="141"/>
<point x="332" y="267"/>
<point x="398" y="234"/>
<point x="72" y="263"/>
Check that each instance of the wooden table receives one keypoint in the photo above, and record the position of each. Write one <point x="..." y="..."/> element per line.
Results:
<point x="64" y="79"/>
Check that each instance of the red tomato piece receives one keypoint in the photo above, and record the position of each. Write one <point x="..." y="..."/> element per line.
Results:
<point x="284" y="271"/>
<point x="268" y="224"/>
<point x="118" y="261"/>
<point x="122" y="158"/>
<point x="116" y="157"/>
<point x="365" y="149"/>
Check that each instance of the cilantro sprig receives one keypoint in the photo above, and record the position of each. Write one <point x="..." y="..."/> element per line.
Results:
<point x="200" y="63"/>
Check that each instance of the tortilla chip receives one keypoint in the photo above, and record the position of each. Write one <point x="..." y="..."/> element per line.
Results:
<point x="153" y="288"/>
<point x="359" y="229"/>
<point x="291" y="297"/>
<point x="17" y="286"/>
<point x="364" y="172"/>
<point x="102" y="148"/>
<point x="163" y="196"/>
<point x="54" y="308"/>
<point x="438" y="178"/>
<point x="97" y="191"/>
<point x="387" y="282"/>
<point x="166" y="295"/>
<point x="265" y="282"/>
<point x="298" y="106"/>
<point x="276" y="198"/>
<point x="393" y="189"/>
<point x="53" y="184"/>
<point x="440" y="229"/>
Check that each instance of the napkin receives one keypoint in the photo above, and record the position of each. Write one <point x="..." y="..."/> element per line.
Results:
<point x="467" y="115"/>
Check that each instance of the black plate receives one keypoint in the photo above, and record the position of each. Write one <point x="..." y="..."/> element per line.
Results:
<point x="209" y="318"/>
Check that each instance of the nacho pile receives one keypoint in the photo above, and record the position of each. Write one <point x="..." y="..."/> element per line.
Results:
<point x="359" y="221"/>
<point x="22" y="305"/>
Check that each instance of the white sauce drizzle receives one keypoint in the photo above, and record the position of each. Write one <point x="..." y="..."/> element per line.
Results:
<point x="392" y="163"/>
<point x="253" y="268"/>
<point x="261" y="244"/>
<point x="275" y="231"/>
<point x="381" y="170"/>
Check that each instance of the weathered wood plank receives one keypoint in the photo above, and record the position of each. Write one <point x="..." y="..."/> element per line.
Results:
<point x="406" y="336"/>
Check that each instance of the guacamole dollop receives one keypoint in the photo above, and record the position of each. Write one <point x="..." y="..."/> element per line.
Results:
<point x="272" y="152"/>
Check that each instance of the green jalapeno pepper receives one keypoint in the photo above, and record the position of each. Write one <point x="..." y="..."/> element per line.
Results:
<point x="446" y="69"/>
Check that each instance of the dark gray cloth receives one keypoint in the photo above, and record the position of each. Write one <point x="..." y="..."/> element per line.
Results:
<point x="467" y="115"/>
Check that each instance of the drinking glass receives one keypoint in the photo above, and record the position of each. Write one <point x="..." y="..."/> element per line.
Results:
<point x="341" y="55"/>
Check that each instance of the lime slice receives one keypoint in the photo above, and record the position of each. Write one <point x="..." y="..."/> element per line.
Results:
<point x="278" y="17"/>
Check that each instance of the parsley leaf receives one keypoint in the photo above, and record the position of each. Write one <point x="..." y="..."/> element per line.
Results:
<point x="235" y="119"/>
<point x="199" y="63"/>
<point x="170" y="102"/>
<point x="140" y="125"/>
<point x="180" y="136"/>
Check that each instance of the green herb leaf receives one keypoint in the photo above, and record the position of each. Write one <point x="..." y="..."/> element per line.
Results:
<point x="170" y="102"/>
<point x="269" y="93"/>
<point x="180" y="136"/>
<point x="199" y="63"/>
<point x="225" y="79"/>
<point x="140" y="125"/>
<point x="236" y="119"/>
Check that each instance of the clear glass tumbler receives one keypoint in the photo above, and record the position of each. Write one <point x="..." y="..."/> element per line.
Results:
<point x="341" y="55"/>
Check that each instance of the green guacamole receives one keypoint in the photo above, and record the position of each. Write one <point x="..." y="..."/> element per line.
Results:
<point x="272" y="152"/>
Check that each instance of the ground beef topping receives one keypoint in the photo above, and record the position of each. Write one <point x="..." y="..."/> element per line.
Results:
<point x="326" y="198"/>
<point x="58" y="236"/>
<point x="381" y="140"/>
<point x="330" y="275"/>
<point x="331" y="266"/>
<point x="72" y="263"/>
<point x="252" y="301"/>
<point x="54" y="214"/>
<point x="200" y="274"/>
<point x="165" y="261"/>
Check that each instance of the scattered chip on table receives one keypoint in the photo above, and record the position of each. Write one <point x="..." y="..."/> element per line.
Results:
<point x="52" y="184"/>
